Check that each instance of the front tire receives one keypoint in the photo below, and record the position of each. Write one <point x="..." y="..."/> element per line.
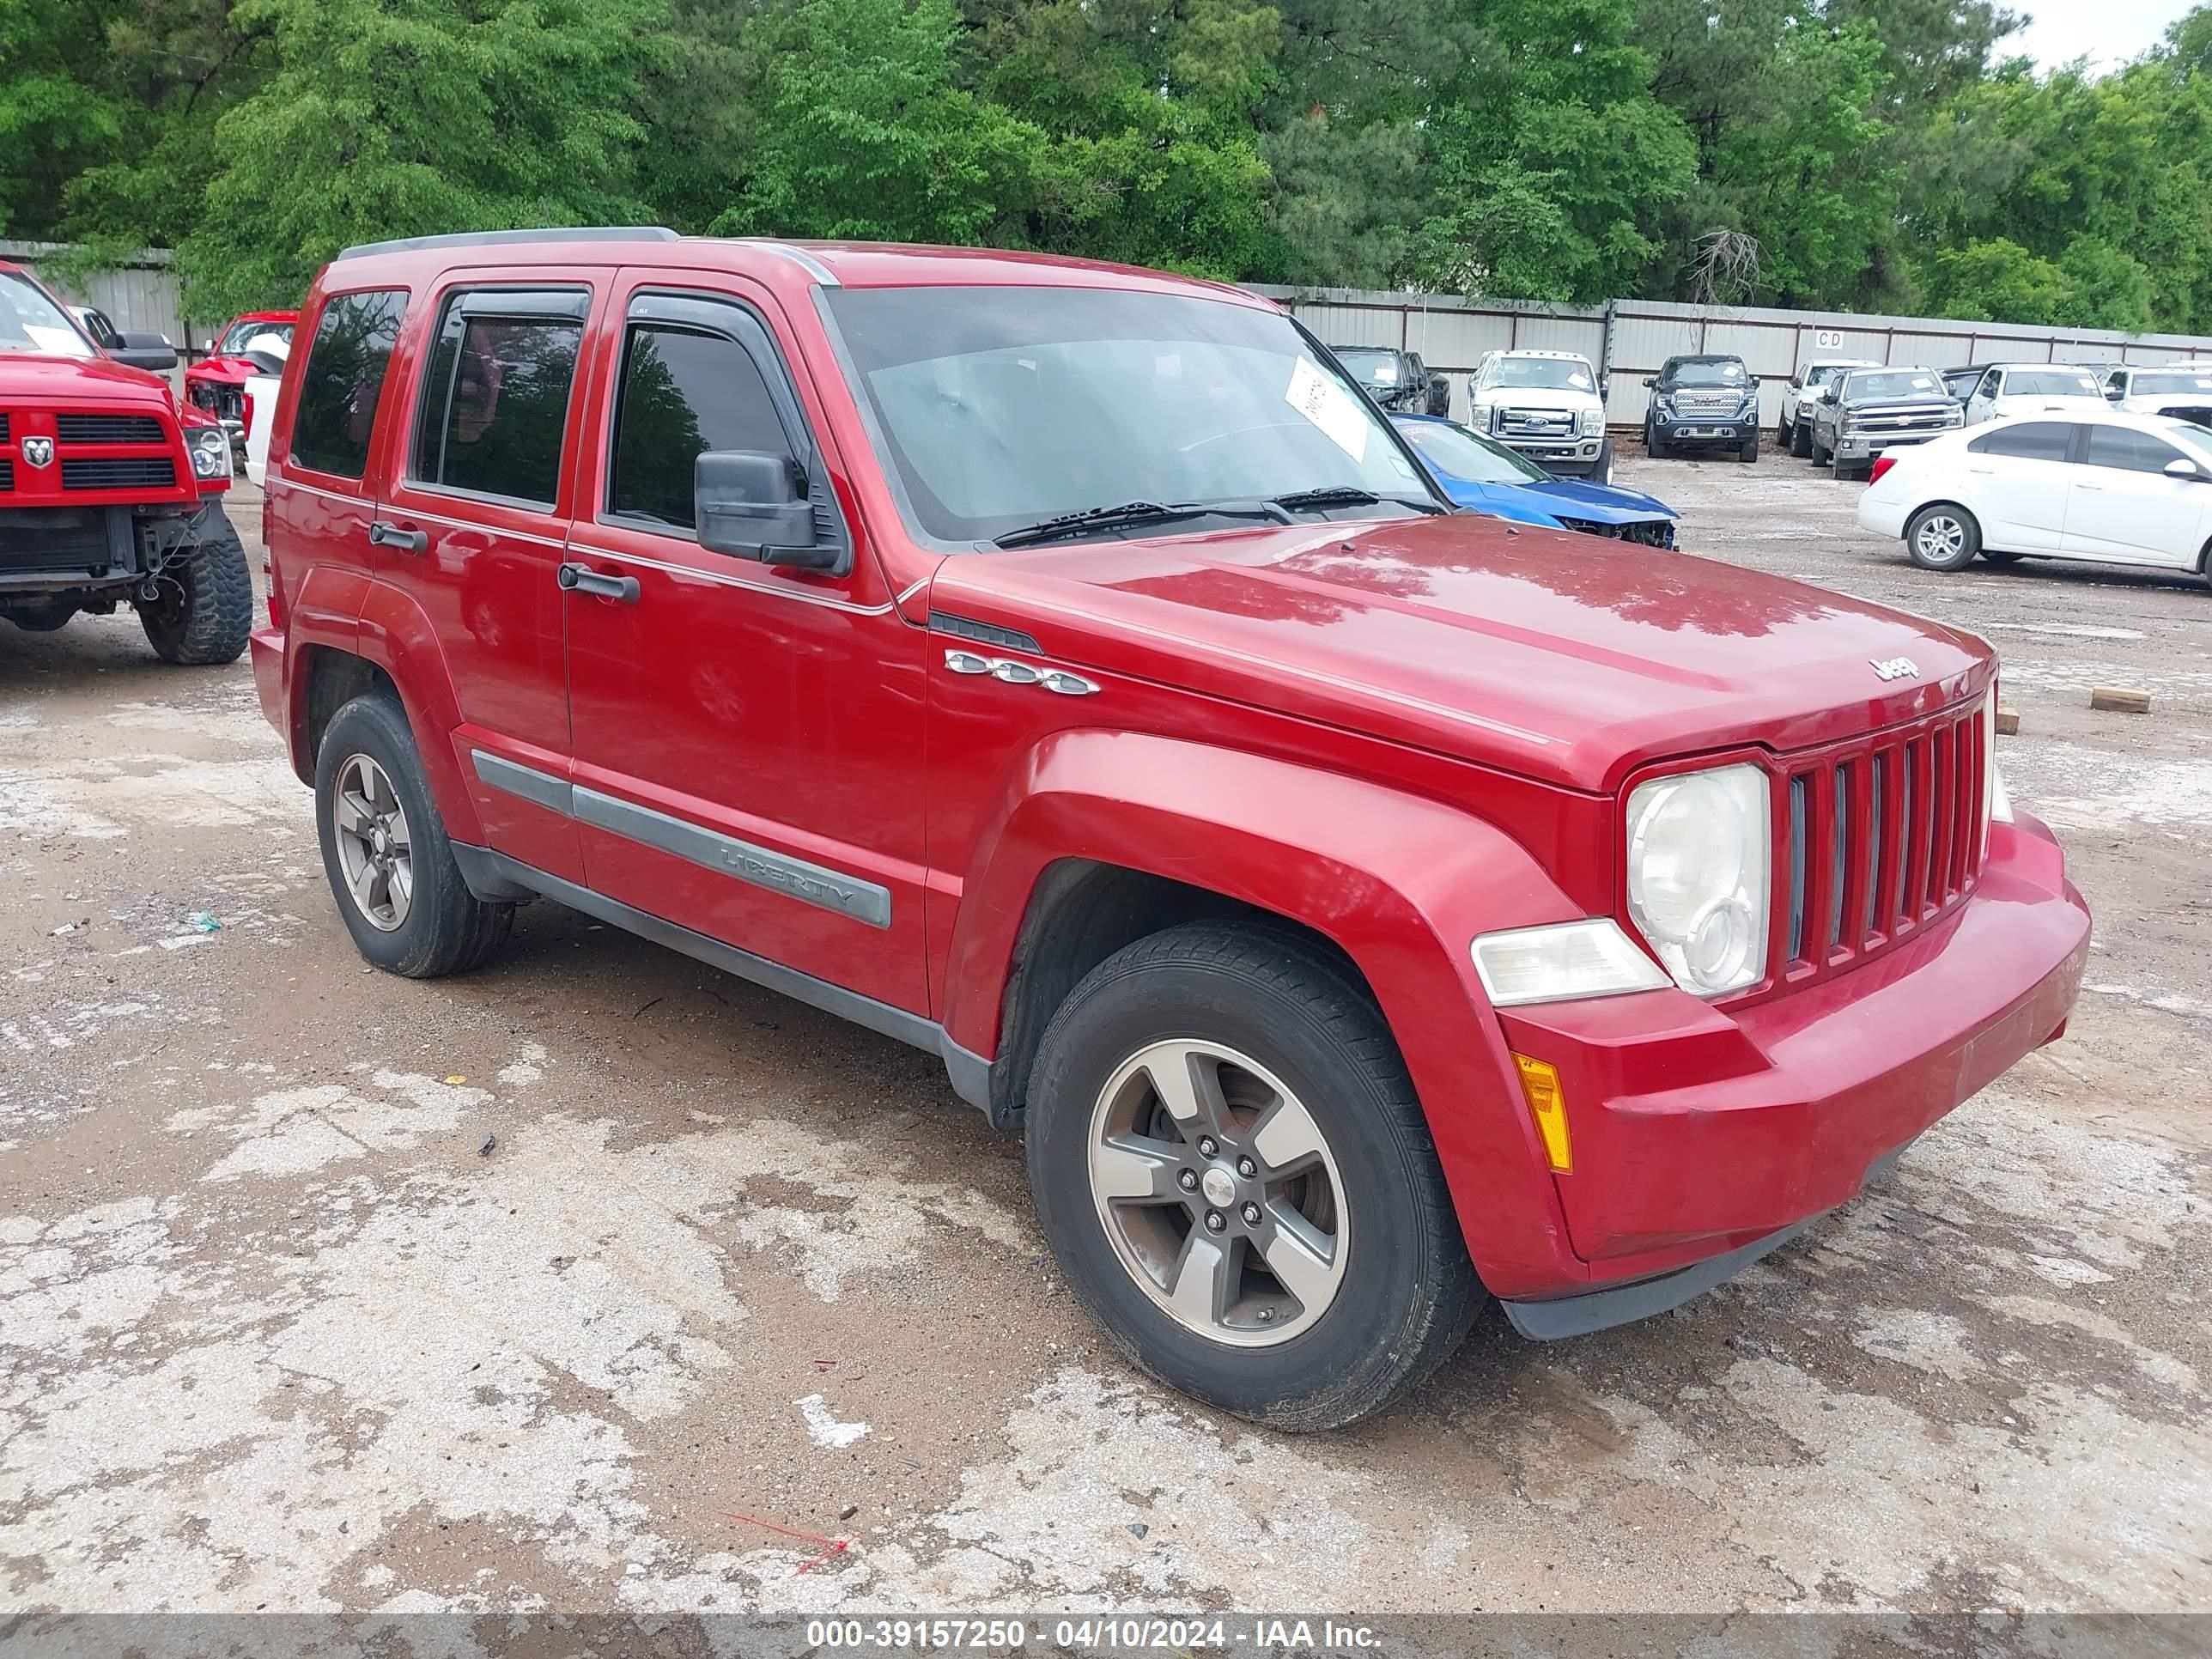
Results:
<point x="1822" y="455"/>
<point x="1749" y="452"/>
<point x="204" y="608"/>
<point x="1232" y="1170"/>
<point x="1942" y="538"/>
<point x="1653" y="446"/>
<point x="1800" y="441"/>
<point x="1600" y="470"/>
<point x="385" y="853"/>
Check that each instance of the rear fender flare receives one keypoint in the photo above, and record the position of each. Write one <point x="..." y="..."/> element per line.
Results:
<point x="1400" y="883"/>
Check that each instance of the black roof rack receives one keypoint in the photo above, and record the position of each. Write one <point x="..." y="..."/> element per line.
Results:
<point x="497" y="238"/>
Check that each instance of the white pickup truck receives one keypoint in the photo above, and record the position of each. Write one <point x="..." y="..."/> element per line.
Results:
<point x="260" y="406"/>
<point x="1793" y="428"/>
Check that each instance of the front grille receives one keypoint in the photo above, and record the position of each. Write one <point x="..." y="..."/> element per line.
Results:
<point x="1534" y="422"/>
<point x="3" y="429"/>
<point x="1655" y="532"/>
<point x="107" y="429"/>
<point x="7" y="474"/>
<point x="1926" y="422"/>
<point x="128" y="472"/>
<point x="59" y="540"/>
<point x="1885" y="837"/>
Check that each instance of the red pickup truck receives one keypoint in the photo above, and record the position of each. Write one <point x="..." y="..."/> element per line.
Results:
<point x="1359" y="906"/>
<point x="110" y="492"/>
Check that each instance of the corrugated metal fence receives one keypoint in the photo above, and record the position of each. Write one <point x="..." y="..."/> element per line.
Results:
<point x="1629" y="338"/>
<point x="1632" y="338"/>
<point x="144" y="294"/>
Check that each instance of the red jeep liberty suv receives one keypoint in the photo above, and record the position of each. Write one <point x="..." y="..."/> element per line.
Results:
<point x="1067" y="670"/>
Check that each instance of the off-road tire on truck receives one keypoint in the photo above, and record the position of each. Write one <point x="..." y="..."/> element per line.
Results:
<point x="441" y="927"/>
<point x="1600" y="470"/>
<point x="1653" y="445"/>
<point x="204" y="606"/>
<point x="1801" y="439"/>
<point x="1749" y="452"/>
<point x="1211" y="998"/>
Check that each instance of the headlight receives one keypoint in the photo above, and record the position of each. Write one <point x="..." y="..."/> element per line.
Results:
<point x="1697" y="888"/>
<point x="210" y="448"/>
<point x="1479" y="417"/>
<point x="1559" y="962"/>
<point x="1593" y="422"/>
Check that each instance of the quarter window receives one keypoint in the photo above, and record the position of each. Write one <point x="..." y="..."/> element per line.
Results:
<point x="683" y="393"/>
<point x="2131" y="450"/>
<point x="496" y="397"/>
<point x="344" y="381"/>
<point x="2030" y="441"/>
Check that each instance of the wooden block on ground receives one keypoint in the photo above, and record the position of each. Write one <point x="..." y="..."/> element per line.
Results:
<point x="2007" y="722"/>
<point x="2115" y="700"/>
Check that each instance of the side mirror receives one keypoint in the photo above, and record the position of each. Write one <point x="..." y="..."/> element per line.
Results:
<point x="750" y="504"/>
<point x="144" y="351"/>
<point x="2182" y="467"/>
<point x="1652" y="379"/>
<point x="2112" y="392"/>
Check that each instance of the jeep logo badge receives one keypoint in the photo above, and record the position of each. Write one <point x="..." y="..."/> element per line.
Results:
<point x="1896" y="668"/>
<point x="39" y="452"/>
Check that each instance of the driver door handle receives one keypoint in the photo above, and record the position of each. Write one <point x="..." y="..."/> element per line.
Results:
<point x="382" y="534"/>
<point x="582" y="579"/>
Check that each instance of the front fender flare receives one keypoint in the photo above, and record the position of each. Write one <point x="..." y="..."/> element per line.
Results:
<point x="1400" y="883"/>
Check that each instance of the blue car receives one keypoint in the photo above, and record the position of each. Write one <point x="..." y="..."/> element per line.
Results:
<point x="1488" y="477"/>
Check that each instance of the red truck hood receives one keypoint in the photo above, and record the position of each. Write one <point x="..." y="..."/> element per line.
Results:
<point x="237" y="370"/>
<point x="1566" y="657"/>
<point x="25" y="378"/>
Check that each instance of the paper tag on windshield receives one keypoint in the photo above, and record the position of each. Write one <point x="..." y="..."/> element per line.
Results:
<point x="1328" y="406"/>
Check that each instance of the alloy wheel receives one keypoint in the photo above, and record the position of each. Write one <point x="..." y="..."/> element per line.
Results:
<point x="1218" y="1193"/>
<point x="1939" y="536"/>
<point x="376" y="855"/>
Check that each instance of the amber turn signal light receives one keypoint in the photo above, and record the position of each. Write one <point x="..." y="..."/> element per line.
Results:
<point x="1548" y="1104"/>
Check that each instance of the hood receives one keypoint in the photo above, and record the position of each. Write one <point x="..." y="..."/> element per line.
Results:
<point x="1499" y="501"/>
<point x="1601" y="503"/>
<point x="1569" y="658"/>
<point x="1935" y="400"/>
<point x="235" y="369"/>
<point x="27" y="377"/>
<point x="1535" y="397"/>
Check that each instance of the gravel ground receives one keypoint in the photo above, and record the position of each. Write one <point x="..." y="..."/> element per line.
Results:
<point x="277" y="1333"/>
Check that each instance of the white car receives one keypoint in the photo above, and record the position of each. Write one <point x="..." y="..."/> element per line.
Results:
<point x="1996" y="391"/>
<point x="2182" y="390"/>
<point x="1793" y="428"/>
<point x="2111" y="489"/>
<point x="1546" y="405"/>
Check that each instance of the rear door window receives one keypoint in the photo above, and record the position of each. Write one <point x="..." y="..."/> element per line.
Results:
<point x="2028" y="441"/>
<point x="495" y="395"/>
<point x="343" y="381"/>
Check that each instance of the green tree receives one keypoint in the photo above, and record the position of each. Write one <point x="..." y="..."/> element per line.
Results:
<point x="388" y="118"/>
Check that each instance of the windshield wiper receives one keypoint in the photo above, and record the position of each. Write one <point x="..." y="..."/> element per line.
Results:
<point x="1303" y="501"/>
<point x="1129" y="513"/>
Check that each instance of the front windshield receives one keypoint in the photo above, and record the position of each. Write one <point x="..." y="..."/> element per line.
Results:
<point x="2190" y="436"/>
<point x="32" y="323"/>
<point x="2169" y="382"/>
<point x="1542" y="374"/>
<point x="1821" y="373"/>
<point x="2051" y="383"/>
<point x="242" y="335"/>
<point x="1458" y="453"/>
<point x="1893" y="383"/>
<point x="1369" y="368"/>
<point x="998" y="408"/>
<point x="1729" y="372"/>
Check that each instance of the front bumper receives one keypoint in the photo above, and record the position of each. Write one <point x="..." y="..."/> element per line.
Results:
<point x="1556" y="454"/>
<point x="1705" y="428"/>
<point x="1703" y="1137"/>
<point x="1865" y="445"/>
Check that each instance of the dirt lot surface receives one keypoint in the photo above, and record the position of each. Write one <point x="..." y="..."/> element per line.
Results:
<point x="277" y="1330"/>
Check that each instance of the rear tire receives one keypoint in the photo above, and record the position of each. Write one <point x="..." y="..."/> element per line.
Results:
<point x="1271" y="1051"/>
<point x="1942" y="536"/>
<point x="386" y="855"/>
<point x="205" y="606"/>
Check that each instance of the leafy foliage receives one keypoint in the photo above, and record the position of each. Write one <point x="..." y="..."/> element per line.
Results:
<point x="1874" y="154"/>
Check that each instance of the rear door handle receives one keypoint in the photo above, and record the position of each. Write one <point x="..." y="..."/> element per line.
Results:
<point x="382" y="534"/>
<point x="581" y="578"/>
